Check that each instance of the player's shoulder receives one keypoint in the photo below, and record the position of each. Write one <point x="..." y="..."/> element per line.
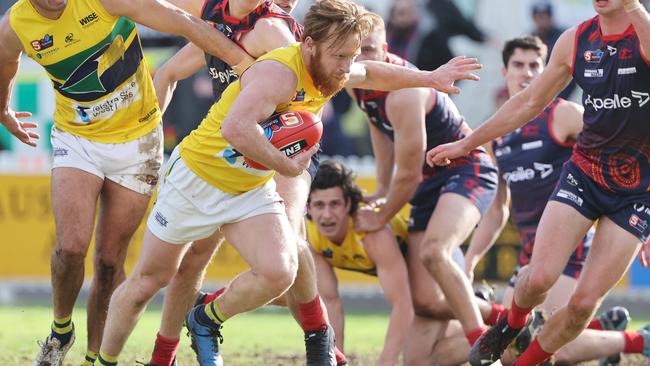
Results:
<point x="569" y="108"/>
<point x="271" y="24"/>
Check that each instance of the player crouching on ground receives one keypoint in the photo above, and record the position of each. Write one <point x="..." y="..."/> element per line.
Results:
<point x="333" y="199"/>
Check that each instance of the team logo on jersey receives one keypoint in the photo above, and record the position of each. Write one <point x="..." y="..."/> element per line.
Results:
<point x="44" y="43"/>
<point x="625" y="54"/>
<point x="223" y="28"/>
<point x="328" y="253"/>
<point x="86" y="78"/>
<point x="638" y="223"/>
<point x="611" y="50"/>
<point x="593" y="56"/>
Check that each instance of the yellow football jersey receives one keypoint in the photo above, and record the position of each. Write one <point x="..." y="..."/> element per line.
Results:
<point x="350" y="254"/>
<point x="212" y="158"/>
<point x="94" y="60"/>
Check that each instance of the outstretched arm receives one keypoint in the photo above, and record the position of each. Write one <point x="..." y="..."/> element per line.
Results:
<point x="165" y="17"/>
<point x="519" y="109"/>
<point x="383" y="250"/>
<point x="9" y="61"/>
<point x="182" y="65"/>
<point x="376" y="75"/>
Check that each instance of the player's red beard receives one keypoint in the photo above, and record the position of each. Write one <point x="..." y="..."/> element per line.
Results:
<point x="328" y="84"/>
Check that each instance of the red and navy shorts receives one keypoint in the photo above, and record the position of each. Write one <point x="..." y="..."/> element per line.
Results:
<point x="629" y="211"/>
<point x="476" y="180"/>
<point x="574" y="265"/>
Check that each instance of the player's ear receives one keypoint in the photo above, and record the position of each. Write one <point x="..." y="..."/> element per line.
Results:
<point x="309" y="43"/>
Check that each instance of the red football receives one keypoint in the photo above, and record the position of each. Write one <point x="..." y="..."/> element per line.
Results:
<point x="292" y="132"/>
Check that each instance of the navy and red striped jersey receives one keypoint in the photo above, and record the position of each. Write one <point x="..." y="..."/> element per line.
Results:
<point x="530" y="161"/>
<point x="614" y="147"/>
<point x="443" y="122"/>
<point x="215" y="12"/>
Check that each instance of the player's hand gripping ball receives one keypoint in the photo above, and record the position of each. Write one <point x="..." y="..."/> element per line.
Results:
<point x="292" y="132"/>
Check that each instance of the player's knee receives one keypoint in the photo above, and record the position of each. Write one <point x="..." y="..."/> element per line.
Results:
<point x="70" y="255"/>
<point x="279" y="275"/>
<point x="538" y="281"/>
<point x="433" y="256"/>
<point x="431" y="308"/>
<point x="108" y="268"/>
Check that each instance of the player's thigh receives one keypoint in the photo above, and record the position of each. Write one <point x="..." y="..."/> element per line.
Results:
<point x="560" y="230"/>
<point x="612" y="252"/>
<point x="158" y="260"/>
<point x="264" y="241"/>
<point x="294" y="191"/>
<point x="451" y="222"/>
<point x="74" y="195"/>
<point x="120" y="213"/>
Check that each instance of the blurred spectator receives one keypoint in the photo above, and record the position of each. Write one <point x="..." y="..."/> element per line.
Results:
<point x="402" y="28"/>
<point x="549" y="32"/>
<point x="545" y="27"/>
<point x="434" y="50"/>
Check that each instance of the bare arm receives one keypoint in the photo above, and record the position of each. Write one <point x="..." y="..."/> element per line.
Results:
<point x="489" y="228"/>
<point x="182" y="65"/>
<point x="329" y="292"/>
<point x="376" y="75"/>
<point x="383" y="250"/>
<point x="641" y="21"/>
<point x="382" y="148"/>
<point x="567" y="121"/>
<point x="9" y="62"/>
<point x="268" y="34"/>
<point x="191" y="6"/>
<point x="406" y="110"/>
<point x="519" y="109"/>
<point x="165" y="17"/>
<point x="265" y="85"/>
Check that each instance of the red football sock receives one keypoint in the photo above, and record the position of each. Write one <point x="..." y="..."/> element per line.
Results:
<point x="474" y="334"/>
<point x="517" y="316"/>
<point x="498" y="311"/>
<point x="164" y="351"/>
<point x="340" y="357"/>
<point x="633" y="342"/>
<point x="213" y="296"/>
<point x="533" y="355"/>
<point x="595" y="324"/>
<point x="312" y="316"/>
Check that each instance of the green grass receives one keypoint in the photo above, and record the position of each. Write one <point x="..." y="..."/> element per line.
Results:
<point x="268" y="337"/>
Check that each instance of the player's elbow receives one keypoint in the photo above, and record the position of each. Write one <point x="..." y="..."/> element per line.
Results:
<point x="231" y="132"/>
<point x="411" y="176"/>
